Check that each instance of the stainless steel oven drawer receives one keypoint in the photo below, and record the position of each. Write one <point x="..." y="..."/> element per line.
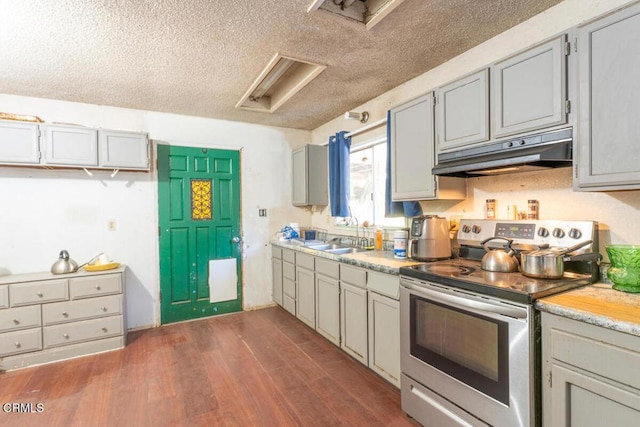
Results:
<point x="430" y="409"/>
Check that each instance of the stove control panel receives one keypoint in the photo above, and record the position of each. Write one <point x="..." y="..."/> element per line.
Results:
<point x="528" y="233"/>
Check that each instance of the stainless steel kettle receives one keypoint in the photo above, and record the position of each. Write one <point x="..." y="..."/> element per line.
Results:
<point x="64" y="264"/>
<point x="429" y="238"/>
<point x="500" y="260"/>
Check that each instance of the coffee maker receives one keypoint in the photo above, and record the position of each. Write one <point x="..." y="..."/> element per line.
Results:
<point x="429" y="238"/>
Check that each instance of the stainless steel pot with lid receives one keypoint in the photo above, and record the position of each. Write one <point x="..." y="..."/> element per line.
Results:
<point x="500" y="260"/>
<point x="548" y="263"/>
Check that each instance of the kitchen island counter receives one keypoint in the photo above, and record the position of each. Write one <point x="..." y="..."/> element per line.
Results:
<point x="598" y="304"/>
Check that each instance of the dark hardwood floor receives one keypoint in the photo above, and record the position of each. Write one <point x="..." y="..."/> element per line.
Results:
<point x="262" y="368"/>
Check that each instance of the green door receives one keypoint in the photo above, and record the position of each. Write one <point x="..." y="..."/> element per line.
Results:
<point x="199" y="218"/>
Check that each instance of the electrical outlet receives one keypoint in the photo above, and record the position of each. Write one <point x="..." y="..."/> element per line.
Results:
<point x="262" y="212"/>
<point x="111" y="225"/>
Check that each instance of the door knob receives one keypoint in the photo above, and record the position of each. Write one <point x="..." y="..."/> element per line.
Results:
<point x="236" y="239"/>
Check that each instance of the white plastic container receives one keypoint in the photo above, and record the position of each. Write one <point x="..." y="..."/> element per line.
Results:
<point x="400" y="243"/>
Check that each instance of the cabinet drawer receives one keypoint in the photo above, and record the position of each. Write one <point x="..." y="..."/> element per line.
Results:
<point x="384" y="284"/>
<point x="289" y="287"/>
<point x="91" y="286"/>
<point x="276" y="252"/>
<point x="20" y="318"/>
<point x="86" y="330"/>
<point x="20" y="342"/>
<point x="4" y="296"/>
<point x="305" y="261"/>
<point x="353" y="275"/>
<point x="328" y="268"/>
<point x="289" y="271"/>
<point x="289" y="256"/>
<point x="69" y="311"/>
<point x="38" y="292"/>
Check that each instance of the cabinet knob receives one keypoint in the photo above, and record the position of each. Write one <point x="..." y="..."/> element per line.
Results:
<point x="65" y="335"/>
<point x="104" y="329"/>
<point x="103" y="308"/>
<point x="65" y="314"/>
<point x="18" y="345"/>
<point x="39" y="294"/>
<point x="16" y="321"/>
<point x="97" y="287"/>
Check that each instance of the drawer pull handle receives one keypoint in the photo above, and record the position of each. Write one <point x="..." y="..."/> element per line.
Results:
<point x="65" y="335"/>
<point x="104" y="329"/>
<point x="97" y="287"/>
<point x="103" y="308"/>
<point x="65" y="314"/>
<point x="18" y="345"/>
<point x="39" y="294"/>
<point x="16" y="321"/>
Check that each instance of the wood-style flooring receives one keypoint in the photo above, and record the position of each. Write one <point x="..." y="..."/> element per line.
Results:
<point x="257" y="368"/>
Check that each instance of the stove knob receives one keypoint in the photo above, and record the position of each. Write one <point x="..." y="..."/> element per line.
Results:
<point x="558" y="232"/>
<point x="476" y="229"/>
<point x="466" y="228"/>
<point x="543" y="232"/>
<point x="574" y="233"/>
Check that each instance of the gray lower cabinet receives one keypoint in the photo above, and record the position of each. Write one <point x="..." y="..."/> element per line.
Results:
<point x="413" y="149"/>
<point x="608" y="153"/>
<point x="462" y="112"/>
<point x="328" y="299"/>
<point x="45" y="318"/>
<point x="353" y="312"/>
<point x="276" y="274"/>
<point x="310" y="179"/>
<point x="289" y="280"/>
<point x="384" y="325"/>
<point x="529" y="89"/>
<point x="305" y="289"/>
<point x="19" y="143"/>
<point x="590" y="374"/>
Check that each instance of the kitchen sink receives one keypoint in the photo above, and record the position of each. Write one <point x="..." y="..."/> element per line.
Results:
<point x="343" y="250"/>
<point x="335" y="248"/>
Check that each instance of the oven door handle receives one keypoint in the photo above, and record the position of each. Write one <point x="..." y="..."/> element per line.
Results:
<point x="446" y="298"/>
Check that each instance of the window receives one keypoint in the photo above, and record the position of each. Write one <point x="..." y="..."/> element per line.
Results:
<point x="367" y="178"/>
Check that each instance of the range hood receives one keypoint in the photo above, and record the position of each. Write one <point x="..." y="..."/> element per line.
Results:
<point x="532" y="152"/>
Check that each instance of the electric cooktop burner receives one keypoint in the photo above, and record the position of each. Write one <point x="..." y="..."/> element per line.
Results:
<point x="467" y="274"/>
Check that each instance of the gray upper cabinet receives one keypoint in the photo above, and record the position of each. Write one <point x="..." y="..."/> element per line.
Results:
<point x="71" y="145"/>
<point x="608" y="153"/>
<point x="413" y="154"/>
<point x="124" y="150"/>
<point x="462" y="112"/>
<point x="19" y="142"/>
<point x="310" y="184"/>
<point x="529" y="90"/>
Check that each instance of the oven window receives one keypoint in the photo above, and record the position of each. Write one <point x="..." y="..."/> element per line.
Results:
<point x="469" y="347"/>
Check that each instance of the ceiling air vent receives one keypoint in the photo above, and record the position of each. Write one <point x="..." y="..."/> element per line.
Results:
<point x="367" y="12"/>
<point x="282" y="78"/>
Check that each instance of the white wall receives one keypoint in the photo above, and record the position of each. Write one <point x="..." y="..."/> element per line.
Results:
<point x="43" y="211"/>
<point x="617" y="212"/>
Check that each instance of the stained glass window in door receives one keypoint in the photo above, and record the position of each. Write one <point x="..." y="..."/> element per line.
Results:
<point x="201" y="207"/>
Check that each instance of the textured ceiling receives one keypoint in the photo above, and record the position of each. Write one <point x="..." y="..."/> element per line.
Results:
<point x="198" y="57"/>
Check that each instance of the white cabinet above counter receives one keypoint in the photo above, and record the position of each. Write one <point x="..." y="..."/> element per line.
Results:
<point x="37" y="144"/>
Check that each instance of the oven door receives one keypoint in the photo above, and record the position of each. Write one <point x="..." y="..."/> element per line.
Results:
<point x="472" y="350"/>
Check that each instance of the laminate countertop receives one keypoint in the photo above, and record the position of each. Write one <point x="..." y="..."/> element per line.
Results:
<point x="382" y="261"/>
<point x="598" y="304"/>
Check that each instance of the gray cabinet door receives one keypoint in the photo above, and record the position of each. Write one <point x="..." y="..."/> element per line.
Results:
<point x="124" y="150"/>
<point x="71" y="145"/>
<point x="310" y="185"/>
<point x="412" y="150"/>
<point x="353" y="319"/>
<point x="529" y="90"/>
<point x="608" y="148"/>
<point x="384" y="337"/>
<point x="276" y="271"/>
<point x="328" y="308"/>
<point x="462" y="112"/>
<point x="19" y="142"/>
<point x="306" y="296"/>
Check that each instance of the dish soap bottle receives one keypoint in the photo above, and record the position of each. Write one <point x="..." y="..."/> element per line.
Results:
<point x="378" y="243"/>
